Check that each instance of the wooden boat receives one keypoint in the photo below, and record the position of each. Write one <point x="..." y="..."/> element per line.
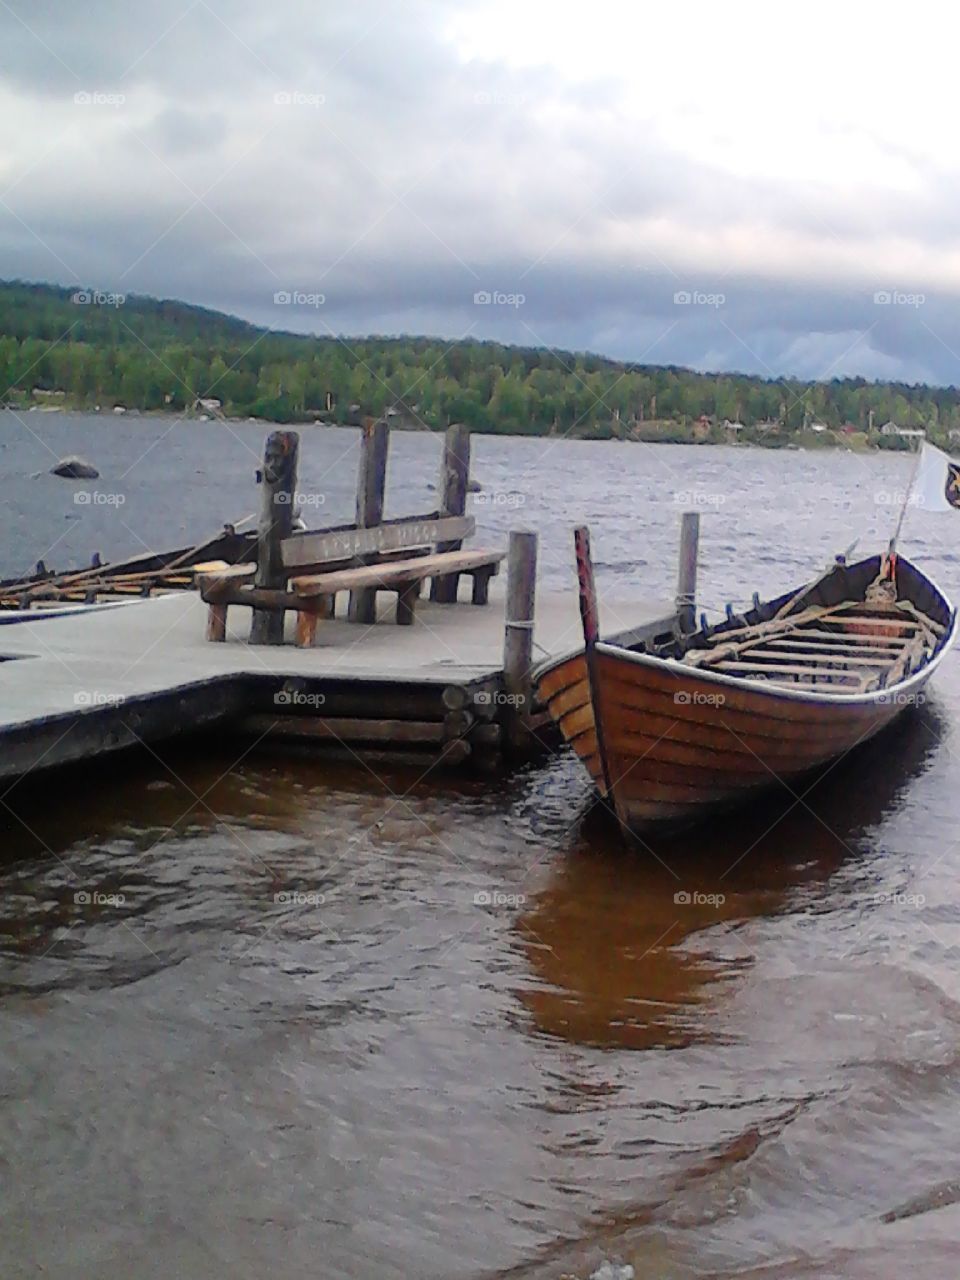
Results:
<point x="674" y="732"/>
<point x="137" y="576"/>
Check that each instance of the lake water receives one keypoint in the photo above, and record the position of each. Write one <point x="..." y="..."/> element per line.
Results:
<point x="298" y="1047"/>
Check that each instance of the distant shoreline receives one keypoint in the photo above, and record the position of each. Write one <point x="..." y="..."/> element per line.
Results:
<point x="665" y="433"/>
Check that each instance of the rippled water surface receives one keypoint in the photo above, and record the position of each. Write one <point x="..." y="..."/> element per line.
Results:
<point x="282" y="1037"/>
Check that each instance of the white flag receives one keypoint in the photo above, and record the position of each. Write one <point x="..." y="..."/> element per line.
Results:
<point x="937" y="486"/>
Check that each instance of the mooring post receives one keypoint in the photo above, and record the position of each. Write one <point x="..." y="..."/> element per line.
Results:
<point x="518" y="638"/>
<point x="454" y="482"/>
<point x="278" y="481"/>
<point x="687" y="576"/>
<point x="371" y="491"/>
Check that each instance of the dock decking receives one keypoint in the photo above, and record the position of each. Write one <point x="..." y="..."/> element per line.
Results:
<point x="77" y="684"/>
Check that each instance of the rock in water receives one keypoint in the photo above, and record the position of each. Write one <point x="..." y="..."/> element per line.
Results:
<point x="75" y="469"/>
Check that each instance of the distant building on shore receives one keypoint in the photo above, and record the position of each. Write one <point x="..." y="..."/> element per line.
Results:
<point x="906" y="433"/>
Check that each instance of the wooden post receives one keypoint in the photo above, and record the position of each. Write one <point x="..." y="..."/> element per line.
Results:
<point x="589" y="616"/>
<point x="518" y="637"/>
<point x="407" y="598"/>
<point x="217" y="622"/>
<point x="278" y="480"/>
<point x="454" y="480"/>
<point x="687" y="577"/>
<point x="371" y="489"/>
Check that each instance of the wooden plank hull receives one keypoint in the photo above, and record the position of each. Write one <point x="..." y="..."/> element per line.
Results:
<point x="669" y="743"/>
<point x="677" y="747"/>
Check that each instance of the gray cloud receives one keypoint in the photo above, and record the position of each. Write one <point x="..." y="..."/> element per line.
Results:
<point x="353" y="153"/>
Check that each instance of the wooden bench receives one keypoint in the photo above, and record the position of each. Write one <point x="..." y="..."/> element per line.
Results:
<point x="313" y="596"/>
<point x="405" y="577"/>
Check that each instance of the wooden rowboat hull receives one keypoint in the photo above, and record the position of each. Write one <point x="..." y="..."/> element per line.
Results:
<point x="669" y="744"/>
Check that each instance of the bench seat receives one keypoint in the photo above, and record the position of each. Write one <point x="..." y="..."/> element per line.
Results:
<point x="313" y="596"/>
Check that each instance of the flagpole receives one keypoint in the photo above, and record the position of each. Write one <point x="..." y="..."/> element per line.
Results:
<point x="891" y="549"/>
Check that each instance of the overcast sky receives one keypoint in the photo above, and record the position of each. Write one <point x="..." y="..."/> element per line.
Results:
<point x="779" y="165"/>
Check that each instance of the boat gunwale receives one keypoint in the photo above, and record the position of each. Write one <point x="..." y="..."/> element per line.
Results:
<point x="686" y="673"/>
<point x="808" y="694"/>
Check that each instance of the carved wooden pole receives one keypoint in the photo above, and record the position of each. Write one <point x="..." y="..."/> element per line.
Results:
<point x="278" y="481"/>
<point x="371" y="490"/>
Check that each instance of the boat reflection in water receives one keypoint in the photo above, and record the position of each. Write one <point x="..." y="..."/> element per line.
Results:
<point x="605" y="937"/>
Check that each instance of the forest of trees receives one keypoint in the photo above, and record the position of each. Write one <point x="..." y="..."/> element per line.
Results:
<point x="146" y="355"/>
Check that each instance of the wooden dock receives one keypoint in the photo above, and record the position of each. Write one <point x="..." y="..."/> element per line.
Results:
<point x="77" y="684"/>
<point x="318" y="636"/>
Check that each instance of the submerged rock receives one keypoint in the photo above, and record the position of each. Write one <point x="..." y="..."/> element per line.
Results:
<point x="73" y="468"/>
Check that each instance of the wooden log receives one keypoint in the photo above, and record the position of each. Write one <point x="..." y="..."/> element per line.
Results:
<point x="456" y="696"/>
<point x="344" y="728"/>
<point x="454" y="481"/>
<point x="371" y="490"/>
<point x="457" y="723"/>
<point x="486" y="703"/>
<point x="254" y="597"/>
<point x="486" y="735"/>
<point x="358" y="699"/>
<point x="687" y="573"/>
<point x="397" y="573"/>
<point x="278" y="480"/>
<point x="518" y="636"/>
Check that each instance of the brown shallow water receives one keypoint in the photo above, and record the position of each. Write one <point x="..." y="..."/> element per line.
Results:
<point x="353" y="1023"/>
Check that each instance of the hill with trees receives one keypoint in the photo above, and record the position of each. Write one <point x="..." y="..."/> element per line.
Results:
<point x="85" y="350"/>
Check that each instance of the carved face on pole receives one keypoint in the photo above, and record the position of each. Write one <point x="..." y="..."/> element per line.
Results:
<point x="277" y="457"/>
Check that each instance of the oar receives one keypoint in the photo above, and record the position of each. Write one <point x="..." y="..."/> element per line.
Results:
<point x="811" y="586"/>
<point x="94" y="573"/>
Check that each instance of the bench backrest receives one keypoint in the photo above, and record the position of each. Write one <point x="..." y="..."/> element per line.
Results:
<point x="314" y="550"/>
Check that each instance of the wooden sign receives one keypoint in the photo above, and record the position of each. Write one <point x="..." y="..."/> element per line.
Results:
<point x="343" y="544"/>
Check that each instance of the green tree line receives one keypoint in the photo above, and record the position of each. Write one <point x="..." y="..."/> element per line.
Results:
<point x="147" y="354"/>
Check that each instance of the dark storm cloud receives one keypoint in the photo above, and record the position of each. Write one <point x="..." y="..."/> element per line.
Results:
<point x="238" y="151"/>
